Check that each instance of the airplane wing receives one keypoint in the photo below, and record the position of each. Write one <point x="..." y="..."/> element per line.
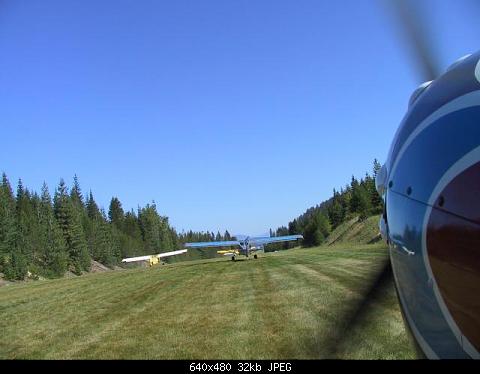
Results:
<point x="173" y="253"/>
<point x="274" y="239"/>
<point x="160" y="255"/>
<point x="135" y="259"/>
<point x="212" y="244"/>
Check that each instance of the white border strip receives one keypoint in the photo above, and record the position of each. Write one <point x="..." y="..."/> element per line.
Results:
<point x="477" y="71"/>
<point x="418" y="336"/>
<point x="466" y="101"/>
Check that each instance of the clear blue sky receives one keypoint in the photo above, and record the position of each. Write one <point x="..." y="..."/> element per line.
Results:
<point x="231" y="115"/>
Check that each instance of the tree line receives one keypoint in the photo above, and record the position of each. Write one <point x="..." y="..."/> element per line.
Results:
<point x="45" y="236"/>
<point x="358" y="198"/>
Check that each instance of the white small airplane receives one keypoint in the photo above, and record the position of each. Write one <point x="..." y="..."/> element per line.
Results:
<point x="154" y="259"/>
<point x="244" y="246"/>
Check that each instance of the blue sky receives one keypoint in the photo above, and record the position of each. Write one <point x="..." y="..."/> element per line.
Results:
<point x="233" y="115"/>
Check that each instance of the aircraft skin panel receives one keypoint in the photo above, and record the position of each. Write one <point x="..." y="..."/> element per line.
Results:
<point x="212" y="244"/>
<point x="275" y="239"/>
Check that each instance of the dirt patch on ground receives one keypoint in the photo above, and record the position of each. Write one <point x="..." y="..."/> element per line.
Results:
<point x="97" y="267"/>
<point x="3" y="282"/>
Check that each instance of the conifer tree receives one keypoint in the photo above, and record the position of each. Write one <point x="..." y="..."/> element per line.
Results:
<point x="27" y="225"/>
<point x="53" y="250"/>
<point x="166" y="242"/>
<point x="335" y="213"/>
<point x="361" y="202"/>
<point x="92" y="207"/>
<point x="102" y="244"/>
<point x="7" y="221"/>
<point x="116" y="214"/>
<point x="132" y="226"/>
<point x="293" y="227"/>
<point x="376" y="200"/>
<point x="12" y="263"/>
<point x="76" y="194"/>
<point x="312" y="235"/>
<point x="323" y="224"/>
<point x="70" y="224"/>
<point x="151" y="228"/>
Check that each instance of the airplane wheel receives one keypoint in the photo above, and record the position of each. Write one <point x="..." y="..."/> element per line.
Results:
<point x="233" y="258"/>
<point x="255" y="257"/>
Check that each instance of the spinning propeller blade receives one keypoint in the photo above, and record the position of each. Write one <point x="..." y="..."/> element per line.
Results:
<point x="414" y="29"/>
<point x="356" y="312"/>
<point x="428" y="68"/>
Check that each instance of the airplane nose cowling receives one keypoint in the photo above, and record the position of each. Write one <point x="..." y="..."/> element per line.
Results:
<point x="381" y="180"/>
<point x="453" y="246"/>
<point x="382" y="226"/>
<point x="432" y="200"/>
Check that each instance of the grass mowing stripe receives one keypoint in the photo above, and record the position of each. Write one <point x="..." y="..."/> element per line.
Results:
<point x="284" y="305"/>
<point x="319" y="309"/>
<point x="142" y="314"/>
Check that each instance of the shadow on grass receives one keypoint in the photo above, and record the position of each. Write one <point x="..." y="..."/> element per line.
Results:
<point x="352" y="315"/>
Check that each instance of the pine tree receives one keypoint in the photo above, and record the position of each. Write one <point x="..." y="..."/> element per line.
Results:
<point x="103" y="247"/>
<point x="7" y="229"/>
<point x="27" y="226"/>
<point x="92" y="207"/>
<point x="362" y="201"/>
<point x="317" y="229"/>
<point x="166" y="242"/>
<point x="174" y="238"/>
<point x="151" y="228"/>
<point x="376" y="200"/>
<point x="48" y="240"/>
<point x="70" y="224"/>
<point x="11" y="264"/>
<point x="293" y="227"/>
<point x="53" y="251"/>
<point x="336" y="212"/>
<point x="76" y="194"/>
<point x="323" y="224"/>
<point x="132" y="226"/>
<point x="116" y="213"/>
<point x="312" y="235"/>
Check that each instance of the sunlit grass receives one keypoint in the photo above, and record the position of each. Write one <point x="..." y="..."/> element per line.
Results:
<point x="284" y="305"/>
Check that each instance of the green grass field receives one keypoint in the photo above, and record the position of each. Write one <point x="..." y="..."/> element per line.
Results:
<point x="284" y="305"/>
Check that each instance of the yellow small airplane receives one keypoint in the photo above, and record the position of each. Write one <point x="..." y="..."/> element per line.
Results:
<point x="154" y="259"/>
<point x="229" y="252"/>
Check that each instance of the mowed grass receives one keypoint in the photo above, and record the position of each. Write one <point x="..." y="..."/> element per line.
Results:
<point x="284" y="305"/>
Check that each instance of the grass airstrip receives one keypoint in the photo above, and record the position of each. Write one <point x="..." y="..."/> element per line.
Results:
<point x="284" y="305"/>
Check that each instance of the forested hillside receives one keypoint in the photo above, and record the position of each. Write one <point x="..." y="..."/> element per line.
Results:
<point x="357" y="200"/>
<point x="41" y="236"/>
<point x="45" y="236"/>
